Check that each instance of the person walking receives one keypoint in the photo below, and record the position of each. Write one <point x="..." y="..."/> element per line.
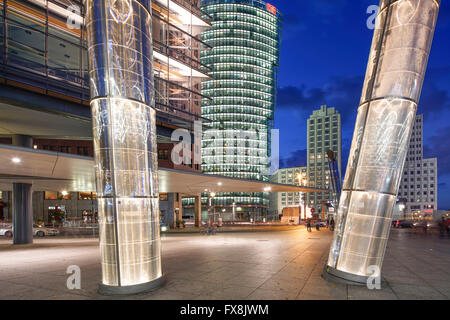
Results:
<point x="442" y="227"/>
<point x="332" y="224"/>
<point x="308" y="225"/>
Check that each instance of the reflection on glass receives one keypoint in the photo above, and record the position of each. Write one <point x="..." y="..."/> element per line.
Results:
<point x="395" y="73"/>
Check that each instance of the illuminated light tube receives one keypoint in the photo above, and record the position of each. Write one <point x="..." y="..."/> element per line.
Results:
<point x="394" y="78"/>
<point x="124" y="131"/>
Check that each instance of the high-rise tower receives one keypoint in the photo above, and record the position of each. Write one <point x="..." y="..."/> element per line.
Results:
<point x="419" y="180"/>
<point x="245" y="41"/>
<point x="324" y="133"/>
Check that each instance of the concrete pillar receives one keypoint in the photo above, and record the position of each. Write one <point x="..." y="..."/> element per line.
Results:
<point x="124" y="133"/>
<point x="198" y="210"/>
<point x="391" y="92"/>
<point x="179" y="205"/>
<point x="21" y="140"/>
<point x="22" y="213"/>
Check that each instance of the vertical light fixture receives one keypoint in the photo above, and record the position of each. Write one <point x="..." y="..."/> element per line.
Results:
<point x="395" y="73"/>
<point x="124" y="131"/>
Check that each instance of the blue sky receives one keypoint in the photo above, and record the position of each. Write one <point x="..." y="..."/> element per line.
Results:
<point x="324" y="51"/>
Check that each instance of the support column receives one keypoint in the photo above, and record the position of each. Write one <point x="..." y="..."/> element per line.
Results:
<point x="395" y="73"/>
<point x="22" y="213"/>
<point x="198" y="211"/>
<point x="179" y="212"/>
<point x="124" y="132"/>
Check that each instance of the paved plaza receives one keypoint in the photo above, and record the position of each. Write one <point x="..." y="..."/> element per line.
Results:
<point x="236" y="265"/>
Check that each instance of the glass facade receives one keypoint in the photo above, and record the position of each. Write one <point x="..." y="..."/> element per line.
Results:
<point x="40" y="48"/>
<point x="245" y="41"/>
<point x="395" y="73"/>
<point x="43" y="45"/>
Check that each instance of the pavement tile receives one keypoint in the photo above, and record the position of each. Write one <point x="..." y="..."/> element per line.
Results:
<point x="231" y="266"/>
<point x="405" y="291"/>
<point x="264" y="294"/>
<point x="363" y="293"/>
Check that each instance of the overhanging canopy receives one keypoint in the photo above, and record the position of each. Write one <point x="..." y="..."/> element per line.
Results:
<point x="54" y="171"/>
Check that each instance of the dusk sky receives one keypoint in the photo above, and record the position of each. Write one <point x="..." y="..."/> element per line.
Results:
<point x="324" y="51"/>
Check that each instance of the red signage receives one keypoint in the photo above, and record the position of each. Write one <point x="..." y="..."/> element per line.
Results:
<point x="271" y="8"/>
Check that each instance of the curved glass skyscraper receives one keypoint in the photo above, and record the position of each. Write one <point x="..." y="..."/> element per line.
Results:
<point x="245" y="41"/>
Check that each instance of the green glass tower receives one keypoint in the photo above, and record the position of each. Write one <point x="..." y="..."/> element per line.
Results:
<point x="244" y="59"/>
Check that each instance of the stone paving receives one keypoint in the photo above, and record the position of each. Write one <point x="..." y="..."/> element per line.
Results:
<point x="248" y="265"/>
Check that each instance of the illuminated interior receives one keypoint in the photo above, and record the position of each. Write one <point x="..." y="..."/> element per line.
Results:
<point x="61" y="65"/>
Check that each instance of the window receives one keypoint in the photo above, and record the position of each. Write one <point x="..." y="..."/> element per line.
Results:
<point x="87" y="196"/>
<point x="163" y="196"/>
<point x="163" y="154"/>
<point x="82" y="151"/>
<point x="53" y="195"/>
<point x="50" y="195"/>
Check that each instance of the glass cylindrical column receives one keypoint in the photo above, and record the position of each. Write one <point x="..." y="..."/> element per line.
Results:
<point x="395" y="73"/>
<point x="124" y="131"/>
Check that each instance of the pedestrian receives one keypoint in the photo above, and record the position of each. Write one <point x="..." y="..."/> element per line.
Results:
<point x="308" y="225"/>
<point x="318" y="225"/>
<point x="442" y="227"/>
<point x="332" y="224"/>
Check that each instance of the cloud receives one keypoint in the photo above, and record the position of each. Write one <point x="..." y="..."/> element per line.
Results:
<point x="295" y="159"/>
<point x="300" y="97"/>
<point x="437" y="146"/>
<point x="435" y="93"/>
<point x="343" y="93"/>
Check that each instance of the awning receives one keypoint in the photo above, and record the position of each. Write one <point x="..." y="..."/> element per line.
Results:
<point x="54" y="171"/>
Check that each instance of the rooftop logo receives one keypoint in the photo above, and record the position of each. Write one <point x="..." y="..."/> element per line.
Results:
<point x="271" y="8"/>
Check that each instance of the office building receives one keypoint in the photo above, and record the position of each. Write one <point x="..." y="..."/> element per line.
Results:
<point x="44" y="78"/>
<point x="279" y="201"/>
<point x="419" y="185"/>
<point x="324" y="133"/>
<point x="245" y="41"/>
